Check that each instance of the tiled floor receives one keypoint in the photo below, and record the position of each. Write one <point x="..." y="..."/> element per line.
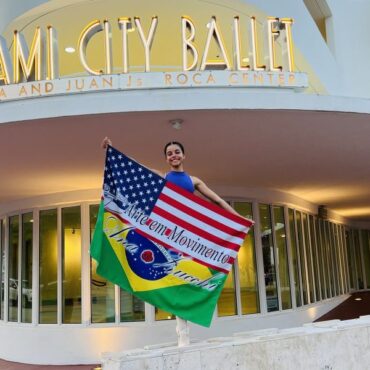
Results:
<point x="358" y="304"/>
<point x="351" y="308"/>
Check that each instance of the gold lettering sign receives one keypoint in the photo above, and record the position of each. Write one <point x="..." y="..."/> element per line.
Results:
<point x="40" y="60"/>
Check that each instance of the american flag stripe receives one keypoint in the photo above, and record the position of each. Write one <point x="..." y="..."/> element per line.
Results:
<point x="193" y="236"/>
<point x="193" y="202"/>
<point x="212" y="207"/>
<point x="189" y="219"/>
<point x="201" y="217"/>
<point x="196" y="230"/>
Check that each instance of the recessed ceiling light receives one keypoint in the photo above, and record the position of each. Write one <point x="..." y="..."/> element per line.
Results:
<point x="358" y="299"/>
<point x="176" y="123"/>
<point x="70" y="49"/>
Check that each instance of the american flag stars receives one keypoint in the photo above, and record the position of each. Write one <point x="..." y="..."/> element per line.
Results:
<point x="135" y="182"/>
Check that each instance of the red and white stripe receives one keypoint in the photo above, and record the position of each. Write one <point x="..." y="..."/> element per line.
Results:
<point x="202" y="221"/>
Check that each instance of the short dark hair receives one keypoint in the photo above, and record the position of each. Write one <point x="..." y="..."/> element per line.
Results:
<point x="174" y="143"/>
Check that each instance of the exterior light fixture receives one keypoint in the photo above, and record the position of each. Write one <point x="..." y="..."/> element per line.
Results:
<point x="176" y="123"/>
<point x="70" y="49"/>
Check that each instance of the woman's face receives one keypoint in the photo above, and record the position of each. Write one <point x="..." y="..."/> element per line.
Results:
<point x="174" y="156"/>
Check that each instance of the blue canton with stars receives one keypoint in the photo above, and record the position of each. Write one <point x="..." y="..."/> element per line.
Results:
<point x="136" y="183"/>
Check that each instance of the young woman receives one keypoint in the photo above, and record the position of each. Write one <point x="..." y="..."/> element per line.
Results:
<point x="175" y="156"/>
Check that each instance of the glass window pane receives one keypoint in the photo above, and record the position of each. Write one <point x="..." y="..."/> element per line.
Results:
<point x="226" y="305"/>
<point x="282" y="254"/>
<point x="163" y="315"/>
<point x="359" y="275"/>
<point x="27" y="248"/>
<point x="132" y="308"/>
<point x="308" y="251"/>
<point x="366" y="254"/>
<point x="295" y="258"/>
<point x="351" y="260"/>
<point x="13" y="268"/>
<point x="329" y="278"/>
<point x="338" y="258"/>
<point x="71" y="265"/>
<point x="333" y="247"/>
<point x="315" y="263"/>
<point x="268" y="258"/>
<point x="102" y="290"/>
<point x="247" y="266"/>
<point x="320" y="253"/>
<point x="48" y="266"/>
<point x="302" y="257"/>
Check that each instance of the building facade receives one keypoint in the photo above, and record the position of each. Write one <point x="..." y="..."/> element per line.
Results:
<point x="271" y="101"/>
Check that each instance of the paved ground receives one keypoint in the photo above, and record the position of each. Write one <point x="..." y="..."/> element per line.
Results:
<point x="349" y="309"/>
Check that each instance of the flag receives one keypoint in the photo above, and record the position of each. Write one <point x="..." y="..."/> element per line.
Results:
<point x="162" y="243"/>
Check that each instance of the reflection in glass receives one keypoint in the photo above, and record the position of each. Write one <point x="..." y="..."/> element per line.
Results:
<point x="132" y="308"/>
<point x="330" y="257"/>
<point x="13" y="268"/>
<point x="247" y="266"/>
<point x="338" y="258"/>
<point x="359" y="271"/>
<point x="302" y="257"/>
<point x="321" y="259"/>
<point x="344" y="259"/>
<point x="333" y="247"/>
<point x="366" y="254"/>
<point x="27" y="248"/>
<point x="308" y="250"/>
<point x="295" y="258"/>
<point x="71" y="265"/>
<point x="268" y="258"/>
<point x="315" y="263"/>
<point x="102" y="290"/>
<point x="163" y="315"/>
<point x="48" y="266"/>
<point x="282" y="254"/>
<point x="226" y="305"/>
<point x="351" y="260"/>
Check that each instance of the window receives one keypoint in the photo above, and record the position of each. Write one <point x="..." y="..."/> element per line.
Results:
<point x="366" y="254"/>
<point x="247" y="266"/>
<point x="282" y="253"/>
<point x="48" y="267"/>
<point x="26" y="270"/>
<point x="102" y="291"/>
<point x="71" y="265"/>
<point x="302" y="257"/>
<point x="269" y="259"/>
<point x="13" y="268"/>
<point x="295" y="258"/>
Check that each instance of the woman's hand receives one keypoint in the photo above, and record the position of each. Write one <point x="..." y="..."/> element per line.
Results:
<point x="106" y="141"/>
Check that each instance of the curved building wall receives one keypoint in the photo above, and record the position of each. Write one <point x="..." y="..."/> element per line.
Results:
<point x="294" y="266"/>
<point x="291" y="269"/>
